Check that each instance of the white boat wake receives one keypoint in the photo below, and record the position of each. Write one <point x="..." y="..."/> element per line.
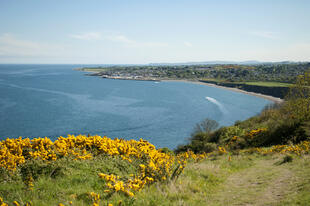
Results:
<point x="220" y="106"/>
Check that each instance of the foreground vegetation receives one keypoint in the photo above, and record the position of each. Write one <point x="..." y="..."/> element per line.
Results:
<point x="236" y="180"/>
<point x="279" y="175"/>
<point x="83" y="170"/>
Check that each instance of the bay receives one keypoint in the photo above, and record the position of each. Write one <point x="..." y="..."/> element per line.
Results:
<point x="56" y="100"/>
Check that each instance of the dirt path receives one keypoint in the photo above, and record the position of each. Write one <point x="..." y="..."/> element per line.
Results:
<point x="262" y="184"/>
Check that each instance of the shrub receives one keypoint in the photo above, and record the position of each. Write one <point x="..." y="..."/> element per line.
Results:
<point x="229" y="132"/>
<point x="287" y="158"/>
<point x="205" y="126"/>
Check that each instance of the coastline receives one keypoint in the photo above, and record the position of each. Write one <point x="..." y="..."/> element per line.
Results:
<point x="268" y="97"/>
<point x="271" y="98"/>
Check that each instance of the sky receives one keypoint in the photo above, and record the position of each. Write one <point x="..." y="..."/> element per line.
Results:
<point x="153" y="31"/>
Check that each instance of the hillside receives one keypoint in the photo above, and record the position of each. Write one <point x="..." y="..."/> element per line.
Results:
<point x="99" y="171"/>
<point x="242" y="180"/>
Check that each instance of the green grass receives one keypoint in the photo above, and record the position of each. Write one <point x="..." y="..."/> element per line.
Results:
<point x="269" y="84"/>
<point x="245" y="180"/>
<point x="74" y="183"/>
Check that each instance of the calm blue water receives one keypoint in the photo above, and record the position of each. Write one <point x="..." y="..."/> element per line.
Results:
<point x="55" y="100"/>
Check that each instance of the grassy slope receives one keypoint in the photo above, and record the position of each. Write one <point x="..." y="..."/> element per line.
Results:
<point x="245" y="180"/>
<point x="74" y="181"/>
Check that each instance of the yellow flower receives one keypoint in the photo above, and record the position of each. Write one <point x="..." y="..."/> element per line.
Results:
<point x="16" y="203"/>
<point x="130" y="193"/>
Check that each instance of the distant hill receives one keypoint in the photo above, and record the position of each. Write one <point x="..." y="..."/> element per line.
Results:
<point x="249" y="62"/>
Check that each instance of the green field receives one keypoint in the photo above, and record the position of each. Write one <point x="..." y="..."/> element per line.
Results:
<point x="269" y="84"/>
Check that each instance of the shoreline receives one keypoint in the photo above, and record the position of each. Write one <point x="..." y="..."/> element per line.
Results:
<point x="271" y="98"/>
<point x="268" y="97"/>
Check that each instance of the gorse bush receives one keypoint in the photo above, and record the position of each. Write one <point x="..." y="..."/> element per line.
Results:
<point x="299" y="149"/>
<point x="118" y="167"/>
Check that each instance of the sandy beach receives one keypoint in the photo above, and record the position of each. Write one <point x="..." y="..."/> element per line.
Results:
<point x="271" y="98"/>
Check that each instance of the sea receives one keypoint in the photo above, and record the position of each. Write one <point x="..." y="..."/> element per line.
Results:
<point x="57" y="100"/>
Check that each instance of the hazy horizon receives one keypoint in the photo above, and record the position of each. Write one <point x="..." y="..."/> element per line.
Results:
<point x="143" y="32"/>
<point x="167" y="63"/>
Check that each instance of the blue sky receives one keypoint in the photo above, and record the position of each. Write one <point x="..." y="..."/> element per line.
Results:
<point x="138" y="32"/>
